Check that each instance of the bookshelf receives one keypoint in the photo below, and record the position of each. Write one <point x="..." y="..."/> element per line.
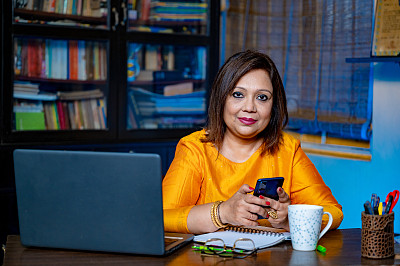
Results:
<point x="139" y="70"/>
<point x="112" y="75"/>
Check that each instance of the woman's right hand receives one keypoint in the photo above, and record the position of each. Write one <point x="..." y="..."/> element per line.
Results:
<point x="242" y="208"/>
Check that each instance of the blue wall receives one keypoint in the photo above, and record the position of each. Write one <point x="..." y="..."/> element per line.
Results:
<point x="352" y="181"/>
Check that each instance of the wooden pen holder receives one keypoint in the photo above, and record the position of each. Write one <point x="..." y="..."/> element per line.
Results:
<point x="377" y="236"/>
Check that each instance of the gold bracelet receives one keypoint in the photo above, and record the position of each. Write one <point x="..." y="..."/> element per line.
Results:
<point x="218" y="216"/>
<point x="215" y="215"/>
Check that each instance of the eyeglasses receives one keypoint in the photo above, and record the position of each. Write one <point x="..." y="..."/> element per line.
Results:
<point x="242" y="248"/>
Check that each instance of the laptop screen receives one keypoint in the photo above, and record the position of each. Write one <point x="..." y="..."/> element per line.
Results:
<point x="101" y="201"/>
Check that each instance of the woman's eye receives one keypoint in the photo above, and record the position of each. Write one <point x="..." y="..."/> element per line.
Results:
<point x="262" y="97"/>
<point x="237" y="94"/>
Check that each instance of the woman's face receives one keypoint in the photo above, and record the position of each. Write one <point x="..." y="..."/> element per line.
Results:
<point x="248" y="108"/>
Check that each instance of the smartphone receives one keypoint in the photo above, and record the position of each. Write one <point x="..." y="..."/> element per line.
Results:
<point x="268" y="186"/>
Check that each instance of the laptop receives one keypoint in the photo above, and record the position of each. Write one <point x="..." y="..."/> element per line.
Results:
<point x="94" y="201"/>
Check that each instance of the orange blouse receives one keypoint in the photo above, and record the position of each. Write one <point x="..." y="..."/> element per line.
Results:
<point x="199" y="175"/>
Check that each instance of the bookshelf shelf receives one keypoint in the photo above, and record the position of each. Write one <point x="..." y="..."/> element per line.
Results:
<point x="373" y="59"/>
<point x="146" y="82"/>
<point x="167" y="23"/>
<point x="34" y="15"/>
<point x="66" y="81"/>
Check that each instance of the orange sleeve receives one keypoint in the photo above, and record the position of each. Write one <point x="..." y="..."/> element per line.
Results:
<point x="308" y="188"/>
<point x="181" y="186"/>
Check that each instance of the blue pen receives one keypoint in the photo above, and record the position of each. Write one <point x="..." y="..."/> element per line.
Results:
<point x="373" y="197"/>
<point x="376" y="205"/>
<point x="368" y="208"/>
<point x="383" y="207"/>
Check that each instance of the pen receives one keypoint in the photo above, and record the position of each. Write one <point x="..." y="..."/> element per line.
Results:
<point x="383" y="207"/>
<point x="376" y="205"/>
<point x="368" y="208"/>
<point x="380" y="208"/>
<point x="216" y="249"/>
<point x="389" y="204"/>
<point x="373" y="197"/>
<point x="321" y="249"/>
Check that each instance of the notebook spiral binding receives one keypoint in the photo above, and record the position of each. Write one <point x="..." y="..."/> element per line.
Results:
<point x="252" y="231"/>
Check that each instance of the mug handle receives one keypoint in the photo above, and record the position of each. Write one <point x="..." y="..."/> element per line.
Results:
<point x="327" y="226"/>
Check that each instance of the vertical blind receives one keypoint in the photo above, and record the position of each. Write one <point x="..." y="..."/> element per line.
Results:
<point x="309" y="41"/>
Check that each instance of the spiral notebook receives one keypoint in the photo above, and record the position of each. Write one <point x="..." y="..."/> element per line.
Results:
<point x="262" y="236"/>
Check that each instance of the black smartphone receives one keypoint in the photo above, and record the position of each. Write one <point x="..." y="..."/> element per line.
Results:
<point x="268" y="186"/>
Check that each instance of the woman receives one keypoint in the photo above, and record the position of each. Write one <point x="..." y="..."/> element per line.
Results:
<point x="210" y="180"/>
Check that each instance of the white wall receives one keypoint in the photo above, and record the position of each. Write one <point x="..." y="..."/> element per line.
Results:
<point x="352" y="181"/>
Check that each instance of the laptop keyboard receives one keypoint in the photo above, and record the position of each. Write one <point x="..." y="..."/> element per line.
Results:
<point x="169" y="241"/>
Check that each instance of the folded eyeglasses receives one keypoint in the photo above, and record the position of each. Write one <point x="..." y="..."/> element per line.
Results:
<point x="242" y="248"/>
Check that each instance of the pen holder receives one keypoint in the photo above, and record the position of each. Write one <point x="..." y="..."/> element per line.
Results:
<point x="377" y="236"/>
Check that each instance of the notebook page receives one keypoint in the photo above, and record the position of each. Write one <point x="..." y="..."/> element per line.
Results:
<point x="229" y="237"/>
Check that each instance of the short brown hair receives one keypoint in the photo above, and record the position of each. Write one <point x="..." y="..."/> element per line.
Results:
<point x="228" y="76"/>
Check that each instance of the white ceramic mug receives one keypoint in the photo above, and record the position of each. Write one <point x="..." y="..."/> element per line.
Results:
<point x="305" y="225"/>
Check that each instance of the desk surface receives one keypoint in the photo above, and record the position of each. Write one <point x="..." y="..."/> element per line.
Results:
<point x="343" y="247"/>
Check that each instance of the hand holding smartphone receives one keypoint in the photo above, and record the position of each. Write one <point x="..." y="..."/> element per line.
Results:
<point x="267" y="187"/>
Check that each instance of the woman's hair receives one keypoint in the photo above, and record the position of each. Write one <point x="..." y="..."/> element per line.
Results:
<point x="228" y="76"/>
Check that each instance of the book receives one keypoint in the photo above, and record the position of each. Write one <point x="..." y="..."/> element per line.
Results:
<point x="145" y="10"/>
<point x="73" y="59"/>
<point x="79" y="95"/>
<point x="262" y="236"/>
<point x="180" y="88"/>
<point x="29" y="115"/>
<point x="386" y="33"/>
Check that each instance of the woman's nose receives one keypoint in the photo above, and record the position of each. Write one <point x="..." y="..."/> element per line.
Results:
<point x="249" y="105"/>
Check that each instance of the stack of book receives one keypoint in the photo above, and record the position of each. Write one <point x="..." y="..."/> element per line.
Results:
<point x="178" y="11"/>
<point x="30" y="91"/>
<point x="151" y="110"/>
<point x="76" y="110"/>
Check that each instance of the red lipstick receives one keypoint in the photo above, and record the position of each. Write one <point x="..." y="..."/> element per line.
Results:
<point x="247" y="121"/>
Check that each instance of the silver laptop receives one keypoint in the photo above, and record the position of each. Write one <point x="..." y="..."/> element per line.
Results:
<point x="96" y="201"/>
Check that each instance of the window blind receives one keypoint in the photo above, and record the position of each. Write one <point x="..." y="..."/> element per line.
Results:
<point x="309" y="41"/>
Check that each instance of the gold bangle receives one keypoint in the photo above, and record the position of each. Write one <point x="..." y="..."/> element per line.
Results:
<point x="215" y="215"/>
<point x="218" y="217"/>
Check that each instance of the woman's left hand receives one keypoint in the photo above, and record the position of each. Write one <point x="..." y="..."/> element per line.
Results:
<point x="281" y="209"/>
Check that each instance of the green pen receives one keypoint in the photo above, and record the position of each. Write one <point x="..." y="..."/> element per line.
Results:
<point x="216" y="249"/>
<point x="321" y="249"/>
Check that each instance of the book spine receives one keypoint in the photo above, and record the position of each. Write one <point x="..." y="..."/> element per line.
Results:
<point x="84" y="116"/>
<point x="81" y="61"/>
<point x="100" y="114"/>
<point x="79" y="7"/>
<point x="64" y="63"/>
<point x="73" y="60"/>
<point x="78" y="115"/>
<point x="52" y="6"/>
<point x="60" y="113"/>
<point x="54" y="116"/>
<point x="95" y="115"/>
<point x="96" y="59"/>
<point x="103" y="111"/>
<point x="71" y="114"/>
<point x="145" y="10"/>
<point x="67" y="123"/>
